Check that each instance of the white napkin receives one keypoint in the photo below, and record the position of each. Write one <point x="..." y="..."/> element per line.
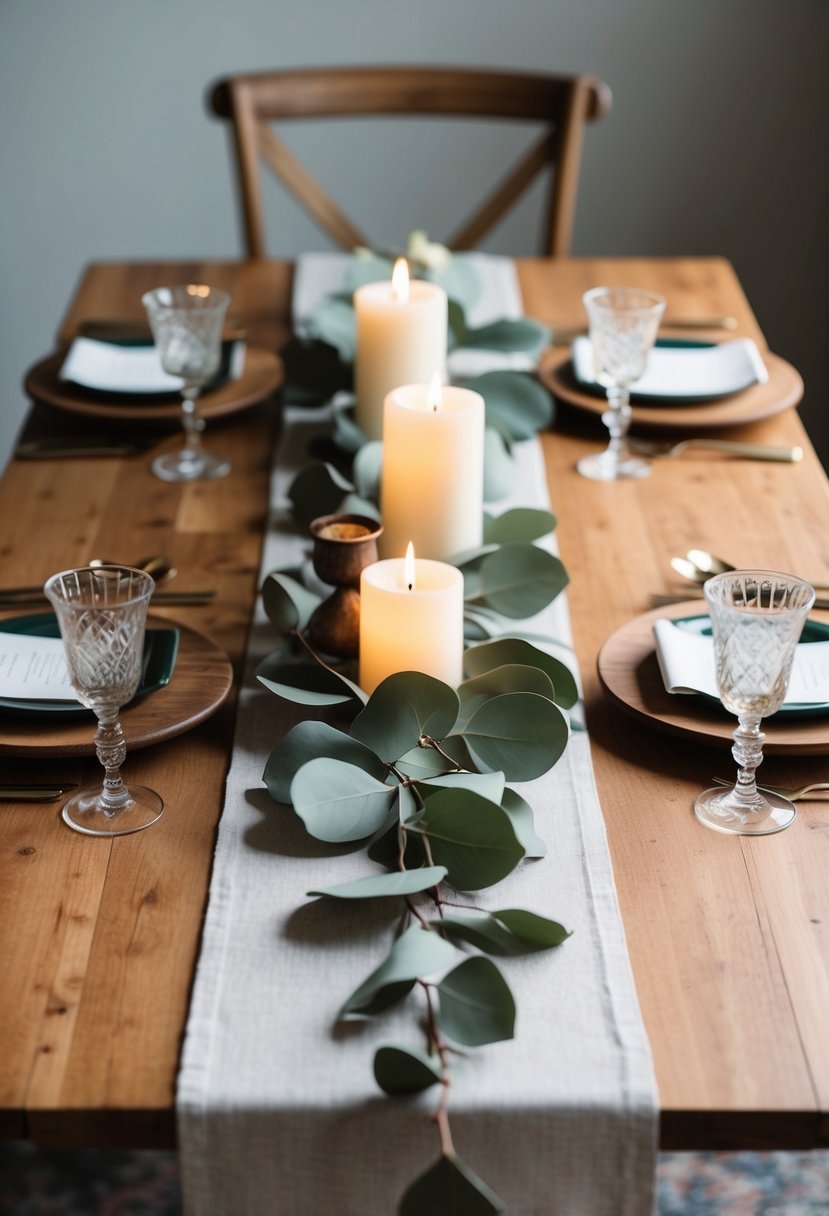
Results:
<point x="686" y="372"/>
<point x="686" y="661"/>
<point x="111" y="367"/>
<point x="33" y="669"/>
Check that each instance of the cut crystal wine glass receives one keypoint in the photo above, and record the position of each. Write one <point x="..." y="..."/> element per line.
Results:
<point x="102" y="613"/>
<point x="187" y="326"/>
<point x="757" y="617"/>
<point x="623" y="327"/>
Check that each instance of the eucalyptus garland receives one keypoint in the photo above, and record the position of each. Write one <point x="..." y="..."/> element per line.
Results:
<point x="418" y="772"/>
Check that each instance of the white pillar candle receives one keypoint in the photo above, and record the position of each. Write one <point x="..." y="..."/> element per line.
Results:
<point x="411" y="619"/>
<point x="401" y="339"/>
<point x="432" y="484"/>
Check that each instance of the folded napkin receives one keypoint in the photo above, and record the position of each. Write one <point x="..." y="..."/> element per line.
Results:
<point x="117" y="367"/>
<point x="686" y="373"/>
<point x="686" y="661"/>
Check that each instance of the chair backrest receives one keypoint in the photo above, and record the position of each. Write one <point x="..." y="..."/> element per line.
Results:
<point x="561" y="103"/>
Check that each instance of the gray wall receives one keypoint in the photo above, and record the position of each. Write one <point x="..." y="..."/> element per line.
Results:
<point x="716" y="142"/>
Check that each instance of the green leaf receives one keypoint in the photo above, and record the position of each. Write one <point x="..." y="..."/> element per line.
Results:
<point x="515" y="401"/>
<point x="519" y="334"/>
<point x="519" y="524"/>
<point x="333" y="321"/>
<point x="519" y="733"/>
<point x="406" y="706"/>
<point x="512" y="931"/>
<point x="472" y="837"/>
<point x="317" y="490"/>
<point x="385" y="850"/>
<point x="288" y="604"/>
<point x="520" y="580"/>
<point x="488" y="785"/>
<point x="346" y="434"/>
<point x="314" y="372"/>
<point x="400" y="1070"/>
<point x="353" y="504"/>
<point x="523" y="823"/>
<point x="368" y="465"/>
<point x="421" y="762"/>
<point x="308" y="741"/>
<point x="306" y="683"/>
<point x="375" y="886"/>
<point x="476" y="1006"/>
<point x="457" y="324"/>
<point x="485" y="657"/>
<point x="450" y="1188"/>
<point x="499" y="467"/>
<point x="339" y="802"/>
<point x="512" y="677"/>
<point x="416" y="954"/>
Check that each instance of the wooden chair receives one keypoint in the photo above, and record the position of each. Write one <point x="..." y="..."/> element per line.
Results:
<point x="561" y="103"/>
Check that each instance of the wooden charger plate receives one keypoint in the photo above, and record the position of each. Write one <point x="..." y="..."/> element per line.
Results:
<point x="201" y="680"/>
<point x="262" y="376"/>
<point x="629" y="672"/>
<point x="783" y="390"/>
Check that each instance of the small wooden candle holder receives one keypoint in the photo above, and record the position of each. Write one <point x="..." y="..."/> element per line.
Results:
<point x="343" y="546"/>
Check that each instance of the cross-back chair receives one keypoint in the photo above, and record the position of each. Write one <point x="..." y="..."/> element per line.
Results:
<point x="561" y="104"/>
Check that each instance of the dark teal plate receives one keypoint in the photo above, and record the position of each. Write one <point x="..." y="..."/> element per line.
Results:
<point x="160" y="650"/>
<point x="813" y="631"/>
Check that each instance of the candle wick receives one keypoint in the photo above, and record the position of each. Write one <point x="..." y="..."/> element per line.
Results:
<point x="410" y="586"/>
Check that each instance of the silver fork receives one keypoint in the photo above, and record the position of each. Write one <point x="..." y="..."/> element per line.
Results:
<point x="750" y="451"/>
<point x="785" y="791"/>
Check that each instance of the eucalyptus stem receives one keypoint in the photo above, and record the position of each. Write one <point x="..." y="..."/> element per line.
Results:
<point x="436" y="1040"/>
<point x="428" y="741"/>
<point x="313" y="653"/>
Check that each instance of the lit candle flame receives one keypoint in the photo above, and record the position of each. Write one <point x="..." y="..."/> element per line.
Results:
<point x="409" y="567"/>
<point x="435" y="394"/>
<point x="400" y="282"/>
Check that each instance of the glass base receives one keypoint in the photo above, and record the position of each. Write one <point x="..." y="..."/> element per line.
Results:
<point x="607" y="466"/>
<point x="712" y="809"/>
<point x="83" y="813"/>
<point x="179" y="466"/>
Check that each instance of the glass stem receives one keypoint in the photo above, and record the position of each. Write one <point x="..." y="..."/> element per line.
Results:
<point x="192" y="421"/>
<point x="617" y="419"/>
<point x="111" y="750"/>
<point x="748" y="752"/>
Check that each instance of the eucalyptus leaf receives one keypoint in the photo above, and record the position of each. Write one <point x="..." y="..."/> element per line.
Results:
<point x="314" y="372"/>
<point x="488" y="655"/>
<point x="515" y="400"/>
<point x="385" y="850"/>
<point x="368" y="465"/>
<point x="353" y="504"/>
<point x="340" y="802"/>
<point x="309" y="741"/>
<point x="488" y="785"/>
<point x="512" y="931"/>
<point x="519" y="524"/>
<point x="333" y="321"/>
<point x="450" y="1188"/>
<point x="288" y="604"/>
<point x="457" y="327"/>
<point x="405" y="707"/>
<point x="472" y="558"/>
<point x="307" y="683"/>
<point x="475" y="629"/>
<point x="476" y="1005"/>
<point x="416" y="954"/>
<point x="421" y="762"/>
<point x="375" y="886"/>
<point x="509" y="334"/>
<point x="317" y="490"/>
<point x="523" y="823"/>
<point x="409" y="807"/>
<point x="520" y="580"/>
<point x="512" y="677"/>
<point x="472" y="837"/>
<point x="499" y="467"/>
<point x="347" y="434"/>
<point x="519" y="733"/>
<point x="402" y="1070"/>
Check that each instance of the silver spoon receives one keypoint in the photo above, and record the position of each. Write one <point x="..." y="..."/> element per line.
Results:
<point x="699" y="565"/>
<point x="160" y="569"/>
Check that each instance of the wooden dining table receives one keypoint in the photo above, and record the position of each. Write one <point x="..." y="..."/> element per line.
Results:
<point x="728" y="936"/>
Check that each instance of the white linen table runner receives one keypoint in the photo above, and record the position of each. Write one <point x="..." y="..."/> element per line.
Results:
<point x="278" y="1110"/>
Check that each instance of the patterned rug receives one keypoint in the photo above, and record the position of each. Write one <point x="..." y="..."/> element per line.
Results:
<point x="35" y="1182"/>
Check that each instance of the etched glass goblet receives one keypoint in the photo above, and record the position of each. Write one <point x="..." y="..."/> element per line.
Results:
<point x="623" y="326"/>
<point x="757" y="617"/>
<point x="187" y="326"/>
<point x="102" y="612"/>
